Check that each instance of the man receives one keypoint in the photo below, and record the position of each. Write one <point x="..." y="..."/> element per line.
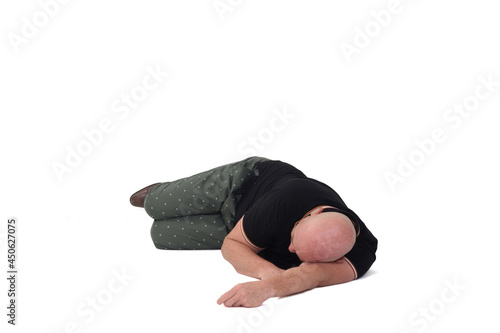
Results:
<point x="293" y="233"/>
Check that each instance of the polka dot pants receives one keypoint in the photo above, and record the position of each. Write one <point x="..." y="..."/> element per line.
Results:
<point x="198" y="212"/>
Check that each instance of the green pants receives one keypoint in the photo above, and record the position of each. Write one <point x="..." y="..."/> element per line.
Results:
<point x="198" y="212"/>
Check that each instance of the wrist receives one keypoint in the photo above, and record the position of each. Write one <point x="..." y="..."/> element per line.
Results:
<point x="269" y="285"/>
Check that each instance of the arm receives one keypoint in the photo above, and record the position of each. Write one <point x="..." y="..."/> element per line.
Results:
<point x="294" y="280"/>
<point x="242" y="254"/>
<point x="309" y="276"/>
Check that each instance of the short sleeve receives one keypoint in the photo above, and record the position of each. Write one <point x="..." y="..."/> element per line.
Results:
<point x="362" y="255"/>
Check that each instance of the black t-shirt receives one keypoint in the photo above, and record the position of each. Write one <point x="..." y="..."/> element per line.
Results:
<point x="280" y="196"/>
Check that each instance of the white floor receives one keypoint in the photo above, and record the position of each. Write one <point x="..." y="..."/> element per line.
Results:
<point x="89" y="116"/>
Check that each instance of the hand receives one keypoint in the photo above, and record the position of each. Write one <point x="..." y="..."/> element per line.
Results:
<point x="249" y="295"/>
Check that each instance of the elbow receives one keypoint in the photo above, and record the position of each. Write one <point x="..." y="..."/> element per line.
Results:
<point x="226" y="251"/>
<point x="223" y="249"/>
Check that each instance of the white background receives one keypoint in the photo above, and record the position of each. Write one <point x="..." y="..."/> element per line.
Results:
<point x="351" y="119"/>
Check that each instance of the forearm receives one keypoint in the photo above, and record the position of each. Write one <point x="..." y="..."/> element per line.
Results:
<point x="289" y="282"/>
<point x="247" y="262"/>
<point x="309" y="276"/>
<point x="292" y="281"/>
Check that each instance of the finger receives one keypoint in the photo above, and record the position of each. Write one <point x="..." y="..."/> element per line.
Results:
<point x="226" y="296"/>
<point x="222" y="299"/>
<point x="232" y="303"/>
<point x="235" y="305"/>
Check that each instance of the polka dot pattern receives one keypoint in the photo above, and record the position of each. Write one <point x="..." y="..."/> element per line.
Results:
<point x="197" y="212"/>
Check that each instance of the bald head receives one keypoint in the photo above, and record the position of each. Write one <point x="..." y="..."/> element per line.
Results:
<point x="323" y="237"/>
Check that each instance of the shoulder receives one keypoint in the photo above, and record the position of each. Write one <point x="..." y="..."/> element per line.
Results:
<point x="363" y="254"/>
